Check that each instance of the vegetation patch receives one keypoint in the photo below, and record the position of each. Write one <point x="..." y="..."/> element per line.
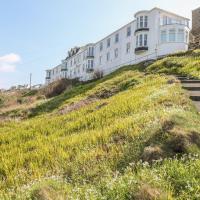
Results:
<point x="133" y="134"/>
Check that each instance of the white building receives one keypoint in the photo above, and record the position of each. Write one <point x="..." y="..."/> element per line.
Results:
<point x="151" y="34"/>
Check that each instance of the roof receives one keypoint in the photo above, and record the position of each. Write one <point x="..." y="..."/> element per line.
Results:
<point x="162" y="10"/>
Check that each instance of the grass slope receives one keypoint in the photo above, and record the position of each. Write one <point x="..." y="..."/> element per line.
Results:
<point x="127" y="136"/>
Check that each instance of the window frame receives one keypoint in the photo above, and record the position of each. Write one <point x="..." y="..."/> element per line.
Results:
<point x="128" y="31"/>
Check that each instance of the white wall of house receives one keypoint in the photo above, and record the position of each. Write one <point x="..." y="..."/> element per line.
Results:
<point x="151" y="34"/>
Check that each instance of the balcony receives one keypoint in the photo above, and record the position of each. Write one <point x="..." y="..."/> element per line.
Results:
<point x="89" y="70"/>
<point x="90" y="56"/>
<point x="48" y="78"/>
<point x="141" y="29"/>
<point x="63" y="69"/>
<point x="141" y="49"/>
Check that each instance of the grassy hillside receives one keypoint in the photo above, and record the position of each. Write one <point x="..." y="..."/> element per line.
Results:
<point x="130" y="135"/>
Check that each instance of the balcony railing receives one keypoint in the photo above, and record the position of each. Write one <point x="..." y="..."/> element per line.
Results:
<point x="141" y="49"/>
<point x="48" y="78"/>
<point x="89" y="70"/>
<point x="63" y="69"/>
<point x="141" y="29"/>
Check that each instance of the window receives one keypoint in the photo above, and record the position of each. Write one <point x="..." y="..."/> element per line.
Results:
<point x="116" y="53"/>
<point x="186" y="36"/>
<point x="180" y="35"/>
<point x="137" y="40"/>
<point x="90" y="64"/>
<point x="101" y="46"/>
<point x="128" y="31"/>
<point x="145" y="21"/>
<point x="108" y="56"/>
<point x="145" y="40"/>
<point x="128" y="47"/>
<point x="138" y="21"/>
<point x="100" y="60"/>
<point x="141" y="21"/>
<point x="163" y="36"/>
<point x="90" y="51"/>
<point x="164" y="20"/>
<point x="117" y="38"/>
<point x="172" y="35"/>
<point x="108" y="42"/>
<point x="141" y="40"/>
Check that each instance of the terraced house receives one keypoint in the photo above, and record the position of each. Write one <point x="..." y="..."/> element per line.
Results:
<point x="151" y="34"/>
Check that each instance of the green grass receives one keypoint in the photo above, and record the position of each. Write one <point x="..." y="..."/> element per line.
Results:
<point x="126" y="136"/>
<point x="186" y="63"/>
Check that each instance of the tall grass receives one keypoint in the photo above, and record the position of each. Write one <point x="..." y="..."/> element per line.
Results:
<point x="137" y="139"/>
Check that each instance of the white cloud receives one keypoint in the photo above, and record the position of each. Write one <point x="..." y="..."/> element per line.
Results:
<point x="8" y="62"/>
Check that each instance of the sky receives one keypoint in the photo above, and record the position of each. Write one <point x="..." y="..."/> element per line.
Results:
<point x="36" y="34"/>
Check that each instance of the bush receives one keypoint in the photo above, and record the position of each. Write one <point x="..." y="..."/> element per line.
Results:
<point x="98" y="74"/>
<point x="57" y="87"/>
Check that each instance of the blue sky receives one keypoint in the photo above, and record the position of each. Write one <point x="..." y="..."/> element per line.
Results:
<point x="36" y="34"/>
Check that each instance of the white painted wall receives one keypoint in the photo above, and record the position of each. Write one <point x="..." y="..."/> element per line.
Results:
<point x="77" y="66"/>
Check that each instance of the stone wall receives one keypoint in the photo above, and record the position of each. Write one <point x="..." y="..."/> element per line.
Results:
<point x="196" y="21"/>
<point x="195" y="32"/>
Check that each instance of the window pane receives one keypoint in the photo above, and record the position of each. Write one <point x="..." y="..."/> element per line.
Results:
<point x="117" y="38"/>
<point x="141" y="38"/>
<point x="163" y="36"/>
<point x="108" y="42"/>
<point x="128" y="47"/>
<point x="101" y="46"/>
<point x="180" y="36"/>
<point x="138" y="22"/>
<point x="146" y="22"/>
<point x="128" y="31"/>
<point x="141" y="22"/>
<point x="137" y="42"/>
<point x="145" y="40"/>
<point x="108" y="56"/>
<point x="116" y="53"/>
<point x="172" y="35"/>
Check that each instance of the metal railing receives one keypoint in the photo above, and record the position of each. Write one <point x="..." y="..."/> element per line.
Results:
<point x="152" y="56"/>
